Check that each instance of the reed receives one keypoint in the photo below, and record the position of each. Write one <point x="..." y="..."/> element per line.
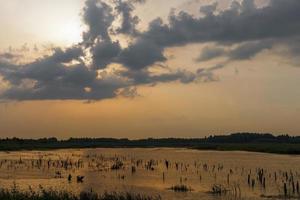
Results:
<point x="229" y="180"/>
<point x="16" y="194"/>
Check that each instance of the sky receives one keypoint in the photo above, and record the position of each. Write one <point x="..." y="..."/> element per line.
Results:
<point x="148" y="68"/>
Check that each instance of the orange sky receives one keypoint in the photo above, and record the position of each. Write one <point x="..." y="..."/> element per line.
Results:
<point x="256" y="95"/>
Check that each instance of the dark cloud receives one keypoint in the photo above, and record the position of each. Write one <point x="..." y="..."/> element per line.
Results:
<point x="278" y="19"/>
<point x="8" y="56"/>
<point x="141" y="54"/>
<point x="241" y="23"/>
<point x="65" y="56"/>
<point x="183" y="76"/>
<point x="211" y="52"/>
<point x="55" y="77"/>
<point x="52" y="78"/>
<point x="239" y="32"/>
<point x="243" y="51"/>
<point x="105" y="52"/>
<point x="139" y="1"/>
<point x="79" y="75"/>
<point x="249" y="50"/>
<point x="293" y="47"/>
<point x="207" y="74"/>
<point x="129" y="21"/>
<point x="98" y="16"/>
<point x="143" y="77"/>
<point x="46" y="69"/>
<point x="209" y="9"/>
<point x="72" y="82"/>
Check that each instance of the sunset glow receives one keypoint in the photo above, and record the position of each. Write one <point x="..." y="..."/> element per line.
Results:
<point x="156" y="69"/>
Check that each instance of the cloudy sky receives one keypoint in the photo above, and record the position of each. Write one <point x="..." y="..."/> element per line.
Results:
<point x="148" y="68"/>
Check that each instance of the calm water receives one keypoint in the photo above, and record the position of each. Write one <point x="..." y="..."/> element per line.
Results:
<point x="153" y="171"/>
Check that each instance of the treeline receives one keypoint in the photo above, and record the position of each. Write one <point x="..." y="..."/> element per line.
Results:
<point x="211" y="142"/>
<point x="253" y="138"/>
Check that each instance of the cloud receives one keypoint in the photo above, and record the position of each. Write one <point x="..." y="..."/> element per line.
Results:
<point x="237" y="24"/>
<point x="145" y="78"/>
<point x="141" y="54"/>
<point x="239" y="32"/>
<point x="250" y="27"/>
<point x="51" y="78"/>
<point x="138" y="1"/>
<point x="65" y="75"/>
<point x="207" y="74"/>
<point x="104" y="52"/>
<point x="65" y="56"/>
<point x="211" y="52"/>
<point x="98" y="17"/>
<point x="183" y="76"/>
<point x="249" y="50"/>
<point x="243" y="51"/>
<point x="129" y="21"/>
<point x="7" y="56"/>
<point x="129" y="92"/>
<point x="209" y="9"/>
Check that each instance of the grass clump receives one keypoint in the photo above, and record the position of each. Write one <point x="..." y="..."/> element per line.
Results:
<point x="180" y="188"/>
<point x="117" y="165"/>
<point x="218" y="189"/>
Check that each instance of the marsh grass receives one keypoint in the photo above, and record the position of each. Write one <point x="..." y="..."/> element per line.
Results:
<point x="15" y="194"/>
<point x="222" y="180"/>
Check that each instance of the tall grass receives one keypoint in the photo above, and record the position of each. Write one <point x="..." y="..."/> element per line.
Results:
<point x="43" y="194"/>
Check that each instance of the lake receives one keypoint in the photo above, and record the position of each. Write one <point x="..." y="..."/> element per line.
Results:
<point x="154" y="171"/>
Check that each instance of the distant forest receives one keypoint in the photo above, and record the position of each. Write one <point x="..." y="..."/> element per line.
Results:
<point x="238" y="141"/>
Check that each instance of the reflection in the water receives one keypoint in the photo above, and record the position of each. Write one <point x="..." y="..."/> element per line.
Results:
<point x="170" y="173"/>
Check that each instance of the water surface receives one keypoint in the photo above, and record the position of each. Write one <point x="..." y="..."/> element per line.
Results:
<point x="153" y="172"/>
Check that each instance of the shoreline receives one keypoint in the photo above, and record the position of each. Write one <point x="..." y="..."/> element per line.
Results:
<point x="250" y="142"/>
<point x="269" y="148"/>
